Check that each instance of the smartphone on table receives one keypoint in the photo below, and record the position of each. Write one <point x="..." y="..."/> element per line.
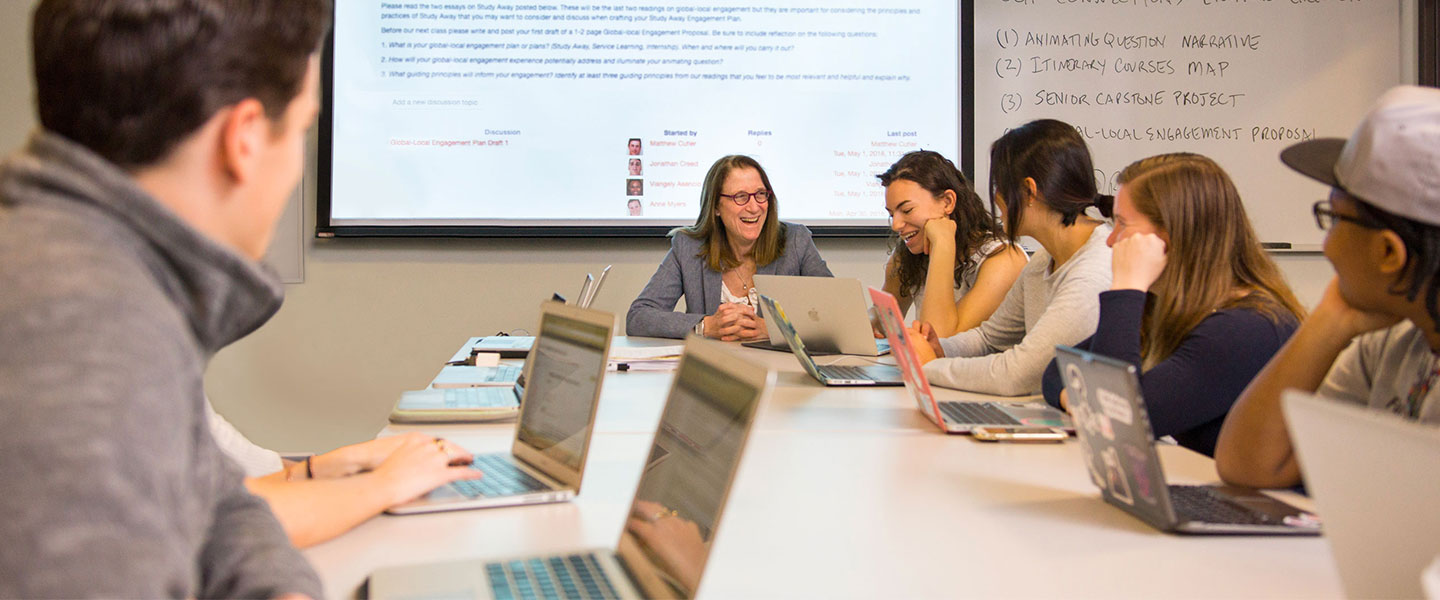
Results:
<point x="1018" y="434"/>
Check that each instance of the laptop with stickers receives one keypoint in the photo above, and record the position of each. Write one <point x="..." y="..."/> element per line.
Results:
<point x="831" y="375"/>
<point x="1119" y="448"/>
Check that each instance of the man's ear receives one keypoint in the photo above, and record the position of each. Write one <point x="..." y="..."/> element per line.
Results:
<point x="242" y="133"/>
<point x="1391" y="252"/>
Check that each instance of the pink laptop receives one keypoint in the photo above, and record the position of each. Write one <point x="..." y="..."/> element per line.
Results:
<point x="951" y="416"/>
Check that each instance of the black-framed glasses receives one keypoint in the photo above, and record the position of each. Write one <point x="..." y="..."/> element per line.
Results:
<point x="743" y="198"/>
<point x="1325" y="217"/>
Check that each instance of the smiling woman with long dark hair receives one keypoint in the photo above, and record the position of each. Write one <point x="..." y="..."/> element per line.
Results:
<point x="1042" y="182"/>
<point x="950" y="258"/>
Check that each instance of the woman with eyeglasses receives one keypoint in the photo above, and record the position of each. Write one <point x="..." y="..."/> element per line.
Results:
<point x="713" y="263"/>
<point x="1194" y="303"/>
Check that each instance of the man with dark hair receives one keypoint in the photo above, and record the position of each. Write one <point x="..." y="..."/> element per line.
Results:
<point x="1374" y="339"/>
<point x="172" y="133"/>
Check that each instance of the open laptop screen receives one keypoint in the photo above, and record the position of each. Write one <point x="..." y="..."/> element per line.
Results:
<point x="565" y="368"/>
<point x="683" y="486"/>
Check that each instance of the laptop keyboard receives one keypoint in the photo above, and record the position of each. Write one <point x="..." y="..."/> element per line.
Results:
<point x="975" y="413"/>
<point x="574" y="576"/>
<point x="848" y="372"/>
<point x="505" y="373"/>
<point x="1204" y="505"/>
<point x="480" y="397"/>
<point x="502" y="478"/>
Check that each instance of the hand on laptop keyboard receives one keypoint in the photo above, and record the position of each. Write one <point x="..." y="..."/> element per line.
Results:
<point x="420" y="464"/>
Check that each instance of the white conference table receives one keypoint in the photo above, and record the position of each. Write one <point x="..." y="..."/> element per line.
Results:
<point x="851" y="493"/>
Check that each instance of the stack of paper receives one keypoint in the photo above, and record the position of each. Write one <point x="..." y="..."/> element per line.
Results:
<point x="651" y="358"/>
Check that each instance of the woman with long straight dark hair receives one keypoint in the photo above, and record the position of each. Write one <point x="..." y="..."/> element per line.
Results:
<point x="1042" y="182"/>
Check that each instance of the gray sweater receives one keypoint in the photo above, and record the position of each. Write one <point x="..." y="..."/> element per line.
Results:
<point x="1007" y="354"/>
<point x="110" y="308"/>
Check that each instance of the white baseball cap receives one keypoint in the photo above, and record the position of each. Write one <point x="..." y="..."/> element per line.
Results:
<point x="1392" y="161"/>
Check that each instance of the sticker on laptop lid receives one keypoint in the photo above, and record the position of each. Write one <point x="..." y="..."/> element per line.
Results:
<point x="1115" y="476"/>
<point x="1115" y="406"/>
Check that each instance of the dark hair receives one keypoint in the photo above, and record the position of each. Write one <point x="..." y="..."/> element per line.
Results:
<point x="1054" y="155"/>
<point x="974" y="225"/>
<point x="1422" y="257"/>
<point x="130" y="79"/>
<point x="708" y="228"/>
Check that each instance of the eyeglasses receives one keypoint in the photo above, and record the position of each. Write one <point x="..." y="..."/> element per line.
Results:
<point x="743" y="198"/>
<point x="1325" y="217"/>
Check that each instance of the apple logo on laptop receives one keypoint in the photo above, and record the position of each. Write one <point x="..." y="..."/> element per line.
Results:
<point x="814" y="315"/>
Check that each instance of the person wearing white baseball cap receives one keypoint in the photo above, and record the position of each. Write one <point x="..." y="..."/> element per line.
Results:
<point x="1382" y="223"/>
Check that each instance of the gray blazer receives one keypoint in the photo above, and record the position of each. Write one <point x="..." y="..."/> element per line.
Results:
<point x="683" y="273"/>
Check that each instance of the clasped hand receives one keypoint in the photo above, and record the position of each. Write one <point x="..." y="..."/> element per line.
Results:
<point x="733" y="321"/>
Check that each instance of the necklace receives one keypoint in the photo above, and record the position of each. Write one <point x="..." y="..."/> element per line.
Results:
<point x="747" y="287"/>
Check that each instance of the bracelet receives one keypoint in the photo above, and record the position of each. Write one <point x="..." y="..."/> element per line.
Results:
<point x="700" y="327"/>
<point x="309" y="474"/>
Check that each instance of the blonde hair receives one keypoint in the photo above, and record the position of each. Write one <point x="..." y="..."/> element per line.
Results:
<point x="1214" y="259"/>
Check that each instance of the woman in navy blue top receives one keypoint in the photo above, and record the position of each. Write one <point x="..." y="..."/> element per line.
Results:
<point x="1195" y="302"/>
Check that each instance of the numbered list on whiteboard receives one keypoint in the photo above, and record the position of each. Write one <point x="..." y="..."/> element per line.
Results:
<point x="1234" y="80"/>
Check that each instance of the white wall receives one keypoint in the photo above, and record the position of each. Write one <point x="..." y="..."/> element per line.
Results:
<point x="17" y="109"/>
<point x="376" y="317"/>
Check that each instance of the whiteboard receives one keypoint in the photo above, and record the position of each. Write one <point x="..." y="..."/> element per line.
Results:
<point x="1235" y="80"/>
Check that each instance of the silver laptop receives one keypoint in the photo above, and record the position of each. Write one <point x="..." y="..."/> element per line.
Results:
<point x="673" y="518"/>
<point x="1119" y="447"/>
<point x="829" y="314"/>
<point x="833" y="375"/>
<point x="1375" y="481"/>
<point x="547" y="459"/>
<point x="458" y="405"/>
<point x="951" y="416"/>
<point x="463" y="376"/>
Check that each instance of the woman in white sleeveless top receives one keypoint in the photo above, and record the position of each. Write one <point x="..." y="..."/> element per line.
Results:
<point x="950" y="259"/>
